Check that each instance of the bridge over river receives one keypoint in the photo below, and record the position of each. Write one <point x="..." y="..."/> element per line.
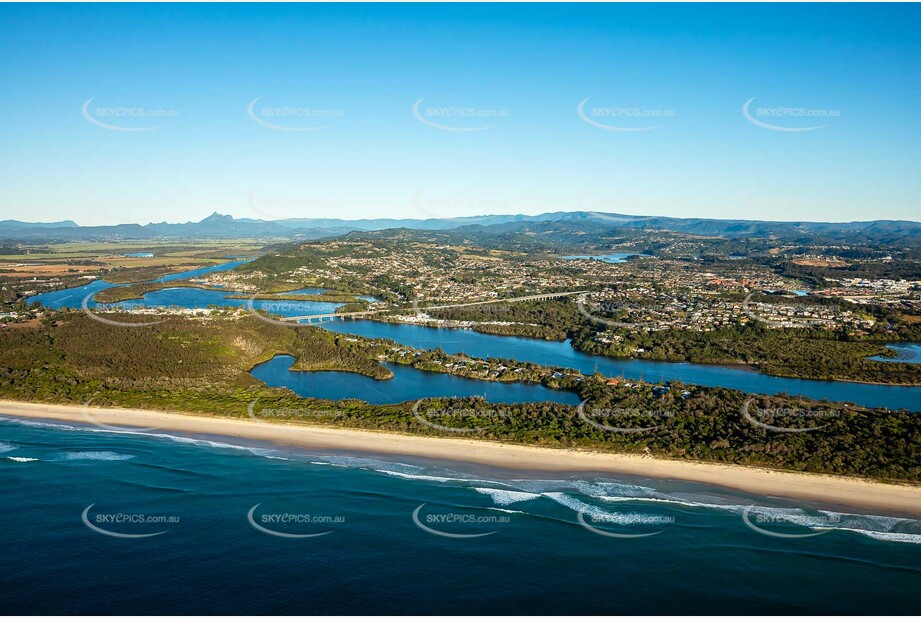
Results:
<point x="351" y="315"/>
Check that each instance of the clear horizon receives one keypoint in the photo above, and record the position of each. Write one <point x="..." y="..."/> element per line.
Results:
<point x="498" y="214"/>
<point x="148" y="113"/>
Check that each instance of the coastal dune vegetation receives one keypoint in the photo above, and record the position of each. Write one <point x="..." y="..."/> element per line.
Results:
<point x="201" y="365"/>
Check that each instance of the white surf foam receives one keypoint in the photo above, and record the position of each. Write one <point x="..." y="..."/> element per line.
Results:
<point x="892" y="537"/>
<point x="28" y="423"/>
<point x="509" y="511"/>
<point x="504" y="497"/>
<point x="420" y="477"/>
<point x="149" y="434"/>
<point x="95" y="456"/>
<point x="892" y="529"/>
<point x="621" y="519"/>
<point x="880" y="527"/>
<point x="675" y="502"/>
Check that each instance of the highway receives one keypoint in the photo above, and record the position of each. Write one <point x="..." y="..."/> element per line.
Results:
<point x="355" y="314"/>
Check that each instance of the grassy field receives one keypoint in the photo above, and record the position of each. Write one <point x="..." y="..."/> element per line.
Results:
<point x="205" y="249"/>
<point x="41" y="267"/>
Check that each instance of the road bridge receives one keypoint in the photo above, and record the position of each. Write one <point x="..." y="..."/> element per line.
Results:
<point x="351" y="315"/>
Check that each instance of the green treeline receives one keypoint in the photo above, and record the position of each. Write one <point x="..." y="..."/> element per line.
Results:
<point x="202" y="366"/>
<point x="801" y="353"/>
<point x="549" y="319"/>
<point x="327" y="297"/>
<point x="535" y="331"/>
<point x="138" y="290"/>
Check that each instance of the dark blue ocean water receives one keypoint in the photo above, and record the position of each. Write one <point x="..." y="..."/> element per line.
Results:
<point x="217" y="504"/>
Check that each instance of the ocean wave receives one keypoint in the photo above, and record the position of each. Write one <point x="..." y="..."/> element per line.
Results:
<point x="571" y="502"/>
<point x="617" y="518"/>
<point x="504" y="497"/>
<point x="562" y="491"/>
<point x="565" y="492"/>
<point x="593" y="489"/>
<point x="401" y="470"/>
<point x="421" y="477"/>
<point x="95" y="456"/>
<point x="262" y="452"/>
<point x="28" y="423"/>
<point x="880" y="527"/>
<point x="892" y="537"/>
<point x="675" y="502"/>
<point x="610" y="488"/>
<point x="509" y="511"/>
<point x="880" y="519"/>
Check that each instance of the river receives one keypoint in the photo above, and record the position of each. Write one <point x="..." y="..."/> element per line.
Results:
<point x="407" y="384"/>
<point x="553" y="353"/>
<point x="562" y="354"/>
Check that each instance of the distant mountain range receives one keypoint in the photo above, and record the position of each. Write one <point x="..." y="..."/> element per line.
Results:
<point x="214" y="226"/>
<point x="22" y="224"/>
<point x="369" y="225"/>
<point x="225" y="226"/>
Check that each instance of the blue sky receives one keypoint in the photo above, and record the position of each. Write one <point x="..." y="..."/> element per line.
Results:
<point x="498" y="129"/>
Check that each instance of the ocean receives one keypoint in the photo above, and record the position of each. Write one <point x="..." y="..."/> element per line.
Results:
<point x="129" y="522"/>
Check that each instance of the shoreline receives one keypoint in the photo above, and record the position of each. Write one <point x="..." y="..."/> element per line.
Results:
<point x="876" y="497"/>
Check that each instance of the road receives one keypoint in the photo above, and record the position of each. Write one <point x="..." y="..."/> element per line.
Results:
<point x="353" y="314"/>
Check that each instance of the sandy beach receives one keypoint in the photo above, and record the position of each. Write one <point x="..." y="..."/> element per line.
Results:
<point x="814" y="488"/>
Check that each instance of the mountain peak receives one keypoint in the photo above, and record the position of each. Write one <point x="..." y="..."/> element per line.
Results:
<point x="216" y="217"/>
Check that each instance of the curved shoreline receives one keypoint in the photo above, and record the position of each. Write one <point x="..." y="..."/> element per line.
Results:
<point x="814" y="488"/>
